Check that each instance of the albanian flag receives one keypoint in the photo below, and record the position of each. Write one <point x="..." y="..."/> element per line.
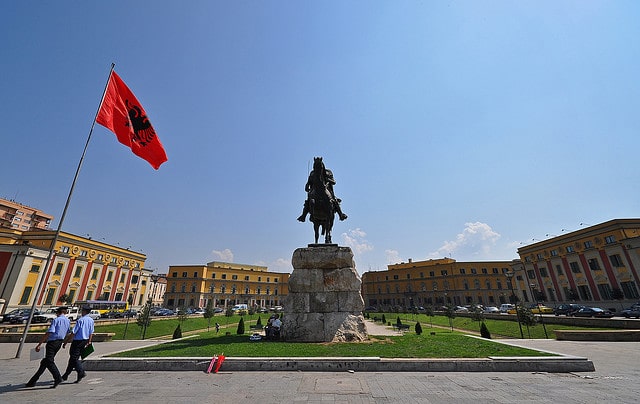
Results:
<point x="122" y="114"/>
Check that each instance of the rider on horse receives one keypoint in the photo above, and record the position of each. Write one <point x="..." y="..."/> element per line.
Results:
<point x="329" y="183"/>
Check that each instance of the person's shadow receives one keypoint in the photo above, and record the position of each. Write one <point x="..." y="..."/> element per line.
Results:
<point x="21" y="386"/>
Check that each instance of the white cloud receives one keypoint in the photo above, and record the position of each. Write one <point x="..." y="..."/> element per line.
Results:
<point x="225" y="255"/>
<point x="476" y="242"/>
<point x="393" y="257"/>
<point x="279" y="265"/>
<point x="356" y="239"/>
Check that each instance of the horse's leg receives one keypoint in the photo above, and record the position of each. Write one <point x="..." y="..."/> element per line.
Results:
<point x="316" y="227"/>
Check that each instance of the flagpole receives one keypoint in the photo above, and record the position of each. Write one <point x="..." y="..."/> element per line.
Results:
<point x="48" y="263"/>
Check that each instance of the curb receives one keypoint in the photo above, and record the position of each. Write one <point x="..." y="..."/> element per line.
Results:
<point x="551" y="364"/>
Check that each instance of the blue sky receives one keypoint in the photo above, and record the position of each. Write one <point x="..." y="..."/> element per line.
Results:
<point x="453" y="128"/>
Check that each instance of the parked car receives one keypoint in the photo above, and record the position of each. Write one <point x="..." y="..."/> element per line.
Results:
<point x="491" y="310"/>
<point x="73" y="313"/>
<point x="22" y="316"/>
<point x="505" y="307"/>
<point x="198" y="310"/>
<point x="461" y="309"/>
<point x="567" y="309"/>
<point x="593" y="312"/>
<point x="540" y="309"/>
<point x="633" y="311"/>
<point x="46" y="316"/>
<point x="94" y="314"/>
<point x="6" y="318"/>
<point x="129" y="313"/>
<point x="112" y="314"/>
<point x="220" y="310"/>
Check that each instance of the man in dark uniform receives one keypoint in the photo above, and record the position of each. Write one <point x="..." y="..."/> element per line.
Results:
<point x="54" y="338"/>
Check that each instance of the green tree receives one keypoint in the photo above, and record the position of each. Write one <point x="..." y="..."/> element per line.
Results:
<point x="240" y="329"/>
<point x="384" y="320"/>
<point x="398" y="322"/>
<point x="259" y="322"/>
<point x="182" y="314"/>
<point x="144" y="319"/>
<point x="429" y="312"/>
<point x="617" y="294"/>
<point x="64" y="299"/>
<point x="526" y="317"/>
<point x="177" y="333"/>
<point x="209" y="313"/>
<point x="450" y="313"/>
<point x="418" y="328"/>
<point x="477" y="314"/>
<point x="484" y="331"/>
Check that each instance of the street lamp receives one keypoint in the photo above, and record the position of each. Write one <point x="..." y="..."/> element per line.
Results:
<point x="535" y="296"/>
<point x="514" y="299"/>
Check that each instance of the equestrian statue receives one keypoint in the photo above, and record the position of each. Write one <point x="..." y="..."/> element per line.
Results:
<point x="321" y="203"/>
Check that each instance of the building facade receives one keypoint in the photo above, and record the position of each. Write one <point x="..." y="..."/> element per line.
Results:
<point x="596" y="265"/>
<point x="80" y="268"/>
<point x="224" y="284"/>
<point x="17" y="216"/>
<point x="437" y="282"/>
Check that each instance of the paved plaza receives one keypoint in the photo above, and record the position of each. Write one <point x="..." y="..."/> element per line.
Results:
<point x="616" y="380"/>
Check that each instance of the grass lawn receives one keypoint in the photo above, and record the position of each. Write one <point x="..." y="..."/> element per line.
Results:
<point x="445" y="344"/>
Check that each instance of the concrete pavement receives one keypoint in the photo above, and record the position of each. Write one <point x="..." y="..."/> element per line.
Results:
<point x="614" y="380"/>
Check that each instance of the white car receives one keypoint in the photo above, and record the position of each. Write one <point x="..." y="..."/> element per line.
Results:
<point x="491" y="309"/>
<point x="94" y="314"/>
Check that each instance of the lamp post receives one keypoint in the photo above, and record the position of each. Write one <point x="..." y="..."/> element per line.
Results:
<point x="514" y="299"/>
<point x="126" y="325"/>
<point x="535" y="296"/>
<point x="146" y="319"/>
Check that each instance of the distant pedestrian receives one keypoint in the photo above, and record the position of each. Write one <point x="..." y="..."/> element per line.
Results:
<point x="54" y="337"/>
<point x="217" y="327"/>
<point x="81" y="338"/>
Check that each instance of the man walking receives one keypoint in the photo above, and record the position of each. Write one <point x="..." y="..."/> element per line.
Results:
<point x="81" y="338"/>
<point x="54" y="338"/>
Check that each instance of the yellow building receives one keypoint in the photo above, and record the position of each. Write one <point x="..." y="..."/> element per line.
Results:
<point x="437" y="282"/>
<point x="224" y="284"/>
<point x="597" y="265"/>
<point x="81" y="268"/>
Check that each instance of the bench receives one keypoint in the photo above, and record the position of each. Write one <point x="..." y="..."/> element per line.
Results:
<point x="256" y="327"/>
<point x="402" y="327"/>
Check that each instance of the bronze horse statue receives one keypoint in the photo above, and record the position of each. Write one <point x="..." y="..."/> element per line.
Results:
<point x="321" y="203"/>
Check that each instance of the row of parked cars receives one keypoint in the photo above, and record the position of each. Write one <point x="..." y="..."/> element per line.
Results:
<point x="21" y="316"/>
<point x="578" y="310"/>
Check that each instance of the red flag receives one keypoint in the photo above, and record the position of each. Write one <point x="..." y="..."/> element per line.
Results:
<point x="122" y="114"/>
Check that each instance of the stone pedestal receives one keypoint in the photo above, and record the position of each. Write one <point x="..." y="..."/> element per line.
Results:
<point x="324" y="302"/>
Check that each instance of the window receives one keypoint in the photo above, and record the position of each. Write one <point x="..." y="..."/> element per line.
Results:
<point x="246" y="290"/>
<point x="610" y="239"/>
<point x="35" y="268"/>
<point x="489" y="285"/>
<point x="50" y="293"/>
<point x="195" y="274"/>
<point x="268" y="279"/>
<point x="234" y="277"/>
<point x="494" y="270"/>
<point x="484" y="271"/>
<point x="543" y="272"/>
<point x="213" y="276"/>
<point x="25" y="295"/>
<point x="588" y="244"/>
<point x="100" y="257"/>
<point x="462" y="271"/>
<point x="616" y="261"/>
<point x="122" y="278"/>
<point x="575" y="268"/>
<point x="605" y="291"/>
<point x="258" y="290"/>
<point x="183" y="288"/>
<point x="432" y="273"/>
<point x="259" y="278"/>
<point x="585" y="293"/>
<point x="476" y="283"/>
<point x="570" y="249"/>
<point x="559" y="270"/>
<point x="114" y="260"/>
<point x="540" y="256"/>
<point x="246" y="278"/>
<point x="474" y="271"/>
<point x="173" y="288"/>
<point x="89" y="294"/>
<point x="64" y="250"/>
<point x="443" y="272"/>
<point x="554" y="253"/>
<point x="593" y="264"/>
<point x="109" y="275"/>
<point x="275" y="280"/>
<point x="531" y="274"/>
<point x="499" y="284"/>
<point x="408" y="276"/>
<point x="224" y="276"/>
<point x="83" y="253"/>
<point x="395" y="276"/>
<point x="629" y="290"/>
<point x="58" y="269"/>
<point x="466" y="285"/>
<point x="72" y="294"/>
<point x="193" y="288"/>
<point x="78" y="271"/>
<point x="174" y="274"/>
<point x="94" y="275"/>
<point x="184" y="274"/>
<point x="134" y="279"/>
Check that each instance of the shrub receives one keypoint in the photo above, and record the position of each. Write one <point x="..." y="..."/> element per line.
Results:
<point x="418" y="328"/>
<point x="240" y="330"/>
<point x="384" y="320"/>
<point x="398" y="322"/>
<point x="484" y="331"/>
<point x="177" y="333"/>
<point x="259" y="322"/>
